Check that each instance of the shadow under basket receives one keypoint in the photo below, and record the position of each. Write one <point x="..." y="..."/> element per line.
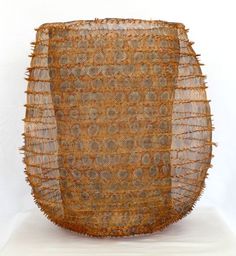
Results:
<point x="118" y="131"/>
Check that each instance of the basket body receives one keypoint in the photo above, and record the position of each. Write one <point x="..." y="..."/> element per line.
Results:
<point x="117" y="126"/>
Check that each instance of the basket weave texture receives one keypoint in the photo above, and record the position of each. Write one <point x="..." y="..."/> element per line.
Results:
<point x="118" y="131"/>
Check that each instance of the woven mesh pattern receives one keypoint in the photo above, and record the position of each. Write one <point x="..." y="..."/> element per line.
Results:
<point x="117" y="126"/>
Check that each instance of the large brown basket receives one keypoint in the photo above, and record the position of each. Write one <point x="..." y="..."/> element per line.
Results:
<point x="118" y="133"/>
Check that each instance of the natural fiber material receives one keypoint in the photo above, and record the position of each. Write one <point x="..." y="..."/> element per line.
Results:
<point x="118" y="127"/>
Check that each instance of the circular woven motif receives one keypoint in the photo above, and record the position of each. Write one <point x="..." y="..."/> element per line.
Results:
<point x="117" y="127"/>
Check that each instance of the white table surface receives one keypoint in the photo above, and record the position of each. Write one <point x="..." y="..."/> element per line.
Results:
<point x="202" y="232"/>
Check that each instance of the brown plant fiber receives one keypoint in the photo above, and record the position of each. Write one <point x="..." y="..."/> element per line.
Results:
<point x="118" y="131"/>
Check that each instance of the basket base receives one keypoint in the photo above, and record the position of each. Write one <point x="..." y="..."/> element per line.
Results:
<point x="35" y="235"/>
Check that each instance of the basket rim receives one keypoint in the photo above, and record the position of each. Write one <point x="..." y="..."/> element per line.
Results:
<point x="111" y="21"/>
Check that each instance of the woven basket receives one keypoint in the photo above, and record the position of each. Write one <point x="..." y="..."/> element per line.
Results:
<point x="118" y="132"/>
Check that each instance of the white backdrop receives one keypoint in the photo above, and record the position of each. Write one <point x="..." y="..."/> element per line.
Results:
<point x="212" y="28"/>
